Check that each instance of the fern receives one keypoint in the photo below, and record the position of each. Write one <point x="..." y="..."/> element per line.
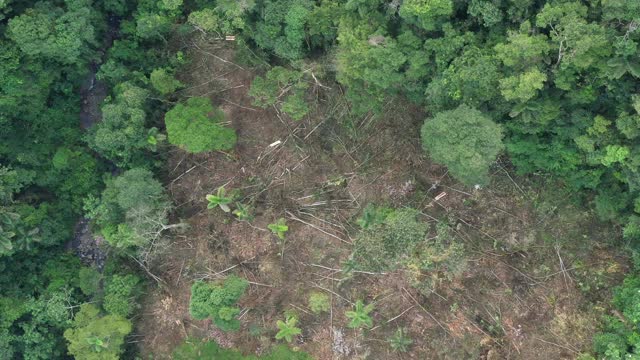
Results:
<point x="360" y="315"/>
<point x="288" y="329"/>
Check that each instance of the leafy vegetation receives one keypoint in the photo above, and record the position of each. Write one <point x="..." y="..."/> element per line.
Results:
<point x="217" y="301"/>
<point x="196" y="127"/>
<point x="279" y="228"/>
<point x="220" y="199"/>
<point x="388" y="239"/>
<point x="549" y="86"/>
<point x="201" y="350"/>
<point x="287" y="329"/>
<point x="400" y="341"/>
<point x="464" y="140"/>
<point x="359" y="317"/>
<point x="319" y="302"/>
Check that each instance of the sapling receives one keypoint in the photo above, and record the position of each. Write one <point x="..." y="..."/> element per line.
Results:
<point x="359" y="317"/>
<point x="220" y="199"/>
<point x="242" y="212"/>
<point x="400" y="341"/>
<point x="279" y="228"/>
<point x="287" y="329"/>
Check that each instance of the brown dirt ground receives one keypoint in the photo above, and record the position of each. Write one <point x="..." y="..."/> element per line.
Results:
<point x="514" y="301"/>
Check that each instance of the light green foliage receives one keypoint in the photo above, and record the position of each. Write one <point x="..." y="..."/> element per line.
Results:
<point x="206" y="20"/>
<point x="385" y="245"/>
<point x="164" y="82"/>
<point x="580" y="43"/>
<point x="400" y="341"/>
<point x="319" y="302"/>
<point x="53" y="33"/>
<point x="120" y="294"/>
<point x="220" y="199"/>
<point x="369" y="64"/>
<point x="464" y="140"/>
<point x="287" y="329"/>
<point x="282" y="87"/>
<point x="279" y="228"/>
<point x="217" y="301"/>
<point x="523" y="87"/>
<point x="359" y="317"/>
<point x="196" y="127"/>
<point x="243" y="212"/>
<point x="426" y="13"/>
<point x="151" y="26"/>
<point x="523" y="49"/>
<point x="89" y="281"/>
<point x="202" y="350"/>
<point x="95" y="337"/>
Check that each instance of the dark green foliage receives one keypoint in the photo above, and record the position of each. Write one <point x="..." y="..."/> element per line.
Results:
<point x="207" y="350"/>
<point x="120" y="294"/>
<point x="195" y="127"/>
<point x="384" y="245"/>
<point x="621" y="338"/>
<point x="89" y="280"/>
<point x="217" y="301"/>
<point x="132" y="209"/>
<point x="281" y="28"/>
<point x="400" y="341"/>
<point x="283" y="88"/>
<point x="464" y="140"/>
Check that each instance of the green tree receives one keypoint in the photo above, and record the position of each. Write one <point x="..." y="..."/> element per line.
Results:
<point x="120" y="295"/>
<point x="132" y="209"/>
<point x="53" y="33"/>
<point x="196" y="127"/>
<point x="426" y="13"/>
<point x="464" y="140"/>
<point x="164" y="82"/>
<point x="95" y="337"/>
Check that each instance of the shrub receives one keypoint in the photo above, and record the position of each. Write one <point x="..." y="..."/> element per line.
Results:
<point x="279" y="228"/>
<point x="196" y="127"/>
<point x="383" y="246"/>
<point x="319" y="302"/>
<point x="441" y="258"/>
<point x="217" y="301"/>
<point x="208" y="350"/>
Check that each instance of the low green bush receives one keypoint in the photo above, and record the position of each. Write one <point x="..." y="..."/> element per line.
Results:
<point x="217" y="301"/>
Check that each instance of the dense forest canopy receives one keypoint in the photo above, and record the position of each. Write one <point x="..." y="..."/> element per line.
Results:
<point x="551" y="86"/>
